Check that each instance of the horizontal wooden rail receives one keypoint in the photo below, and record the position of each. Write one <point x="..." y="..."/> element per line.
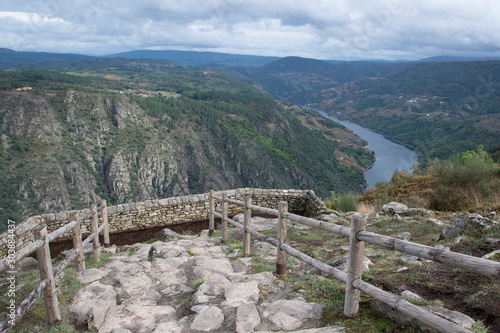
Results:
<point x="235" y="202"/>
<point x="22" y="253"/>
<point x="45" y="263"/>
<point x="335" y="228"/>
<point x="436" y="322"/>
<point x="264" y="210"/>
<point x="357" y="236"/>
<point x="22" y="308"/>
<point x="473" y="264"/>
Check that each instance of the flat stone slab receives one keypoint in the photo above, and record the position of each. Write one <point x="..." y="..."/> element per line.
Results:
<point x="208" y="319"/>
<point x="92" y="274"/>
<point x="241" y="293"/>
<point x="247" y="318"/>
<point x="290" y="314"/>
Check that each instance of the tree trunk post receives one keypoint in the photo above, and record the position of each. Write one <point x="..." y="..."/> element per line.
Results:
<point x="211" y="222"/>
<point x="95" y="241"/>
<point x="104" y="214"/>
<point x="224" y="216"/>
<point x="247" y="220"/>
<point x="282" y="235"/>
<point x="354" y="267"/>
<point x="77" y="243"/>
<point x="47" y="272"/>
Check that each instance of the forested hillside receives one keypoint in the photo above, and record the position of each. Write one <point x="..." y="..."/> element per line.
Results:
<point x="128" y="131"/>
<point x="440" y="108"/>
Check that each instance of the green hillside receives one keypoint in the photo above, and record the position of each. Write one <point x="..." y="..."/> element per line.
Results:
<point x="129" y="131"/>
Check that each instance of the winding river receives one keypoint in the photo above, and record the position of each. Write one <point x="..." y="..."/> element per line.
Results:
<point x="389" y="155"/>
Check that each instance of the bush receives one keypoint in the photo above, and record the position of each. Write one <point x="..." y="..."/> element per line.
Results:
<point x="346" y="202"/>
<point x="466" y="181"/>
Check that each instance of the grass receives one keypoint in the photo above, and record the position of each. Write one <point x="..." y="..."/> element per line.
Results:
<point x="35" y="320"/>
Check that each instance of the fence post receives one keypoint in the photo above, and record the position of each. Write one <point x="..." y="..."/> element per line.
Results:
<point x="224" y="216"/>
<point x="211" y="222"/>
<point x="247" y="219"/>
<point x="77" y="243"/>
<point x="47" y="272"/>
<point x="105" y="231"/>
<point x="95" y="241"/>
<point x="354" y="266"/>
<point x="282" y="234"/>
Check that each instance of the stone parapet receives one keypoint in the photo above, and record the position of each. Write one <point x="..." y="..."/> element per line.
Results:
<point x="168" y="211"/>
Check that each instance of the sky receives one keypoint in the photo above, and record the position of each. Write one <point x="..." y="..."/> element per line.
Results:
<point x="319" y="29"/>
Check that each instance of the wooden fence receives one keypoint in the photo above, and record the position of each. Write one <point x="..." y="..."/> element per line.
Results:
<point x="358" y="235"/>
<point x="47" y="272"/>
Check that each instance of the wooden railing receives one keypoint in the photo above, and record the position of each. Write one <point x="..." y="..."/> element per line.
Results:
<point x="47" y="272"/>
<point x="358" y="235"/>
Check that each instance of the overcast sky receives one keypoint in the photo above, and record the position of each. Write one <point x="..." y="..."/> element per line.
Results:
<point x="321" y="29"/>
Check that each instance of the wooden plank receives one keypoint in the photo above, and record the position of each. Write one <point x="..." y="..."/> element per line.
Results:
<point x="70" y="256"/>
<point x="22" y="253"/>
<point x="247" y="222"/>
<point x="234" y="223"/>
<point x="235" y="202"/>
<point x="62" y="230"/>
<point x="211" y="220"/>
<point x="263" y="237"/>
<point x="104" y="215"/>
<point x="217" y="198"/>
<point x="12" y="319"/>
<point x="335" y="228"/>
<point x="224" y="216"/>
<point x="438" y="323"/>
<point x="282" y="233"/>
<point x="46" y="272"/>
<point x="95" y="227"/>
<point x="263" y="210"/>
<point x="77" y="243"/>
<point x="218" y="215"/>
<point x="354" y="267"/>
<point x="336" y="273"/>
<point x="474" y="264"/>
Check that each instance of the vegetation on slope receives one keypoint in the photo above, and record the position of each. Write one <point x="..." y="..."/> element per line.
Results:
<point x="135" y="130"/>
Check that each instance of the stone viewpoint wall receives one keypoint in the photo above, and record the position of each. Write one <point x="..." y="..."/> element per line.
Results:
<point x="165" y="212"/>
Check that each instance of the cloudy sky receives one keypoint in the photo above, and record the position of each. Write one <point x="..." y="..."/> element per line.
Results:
<point x="321" y="29"/>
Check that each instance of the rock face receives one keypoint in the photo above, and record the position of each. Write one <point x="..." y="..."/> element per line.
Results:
<point x="173" y="291"/>
<point x="466" y="220"/>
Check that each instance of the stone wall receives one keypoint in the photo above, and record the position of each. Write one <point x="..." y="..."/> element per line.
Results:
<point x="164" y="212"/>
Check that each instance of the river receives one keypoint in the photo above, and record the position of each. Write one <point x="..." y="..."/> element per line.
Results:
<point x="389" y="155"/>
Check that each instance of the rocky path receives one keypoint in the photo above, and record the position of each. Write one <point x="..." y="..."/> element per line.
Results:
<point x="189" y="284"/>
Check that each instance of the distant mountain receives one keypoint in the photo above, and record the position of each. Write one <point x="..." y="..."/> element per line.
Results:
<point x="192" y="58"/>
<point x="451" y="58"/>
<point x="11" y="58"/>
<point x="301" y="80"/>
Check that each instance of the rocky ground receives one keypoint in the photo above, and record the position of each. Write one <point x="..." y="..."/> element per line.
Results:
<point x="189" y="284"/>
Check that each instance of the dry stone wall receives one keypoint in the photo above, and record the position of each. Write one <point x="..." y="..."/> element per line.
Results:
<point x="169" y="211"/>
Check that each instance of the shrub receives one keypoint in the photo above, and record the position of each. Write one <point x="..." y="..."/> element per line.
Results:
<point x="464" y="182"/>
<point x="346" y="202"/>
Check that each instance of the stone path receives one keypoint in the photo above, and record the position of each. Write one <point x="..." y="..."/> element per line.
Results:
<point x="189" y="284"/>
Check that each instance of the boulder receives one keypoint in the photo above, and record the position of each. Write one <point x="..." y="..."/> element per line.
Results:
<point x="95" y="297"/>
<point x="395" y="208"/>
<point x="26" y="264"/>
<point x="467" y="220"/>
<point x="167" y="235"/>
<point x="341" y="263"/>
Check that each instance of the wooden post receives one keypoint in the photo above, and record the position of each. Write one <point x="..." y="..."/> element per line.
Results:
<point x="104" y="214"/>
<point x="211" y="222"/>
<point x="247" y="220"/>
<point x="224" y="216"/>
<point x="77" y="243"/>
<point x="46" y="272"/>
<point x="95" y="241"/>
<point x="354" y="267"/>
<point x="282" y="234"/>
